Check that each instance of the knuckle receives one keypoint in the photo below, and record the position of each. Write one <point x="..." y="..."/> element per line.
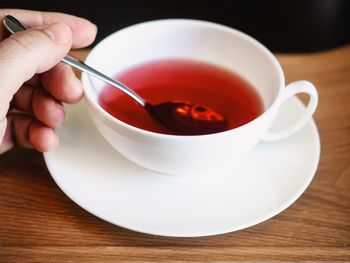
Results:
<point x="19" y="43"/>
<point x="31" y="40"/>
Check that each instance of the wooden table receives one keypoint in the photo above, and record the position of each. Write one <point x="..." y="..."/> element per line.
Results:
<point x="39" y="223"/>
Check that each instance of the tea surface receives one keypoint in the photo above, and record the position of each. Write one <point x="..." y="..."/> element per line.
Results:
<point x="181" y="80"/>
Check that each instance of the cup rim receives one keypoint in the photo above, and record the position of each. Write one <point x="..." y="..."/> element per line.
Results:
<point x="213" y="25"/>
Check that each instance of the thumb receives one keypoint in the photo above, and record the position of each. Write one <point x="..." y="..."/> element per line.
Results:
<point x="32" y="51"/>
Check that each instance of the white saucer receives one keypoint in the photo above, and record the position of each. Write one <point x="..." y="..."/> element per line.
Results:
<point x="109" y="186"/>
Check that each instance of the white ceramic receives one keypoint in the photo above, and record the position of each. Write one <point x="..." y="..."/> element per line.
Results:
<point x="202" y="41"/>
<point x="106" y="184"/>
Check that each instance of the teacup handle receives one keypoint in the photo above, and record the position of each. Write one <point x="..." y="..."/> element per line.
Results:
<point x="301" y="86"/>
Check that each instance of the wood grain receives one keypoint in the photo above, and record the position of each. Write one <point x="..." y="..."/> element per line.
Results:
<point x="40" y="224"/>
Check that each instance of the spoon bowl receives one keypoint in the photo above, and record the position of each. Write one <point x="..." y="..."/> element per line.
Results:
<point x="187" y="118"/>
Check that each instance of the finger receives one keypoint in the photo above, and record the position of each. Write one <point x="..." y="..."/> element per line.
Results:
<point x="34" y="81"/>
<point x="23" y="98"/>
<point x="18" y="127"/>
<point x="41" y="137"/>
<point x="16" y="131"/>
<point x="26" y="53"/>
<point x="25" y="131"/>
<point x="61" y="82"/>
<point x="46" y="109"/>
<point x="84" y="32"/>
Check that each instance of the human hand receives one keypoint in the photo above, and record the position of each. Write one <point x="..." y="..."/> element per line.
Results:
<point x="33" y="84"/>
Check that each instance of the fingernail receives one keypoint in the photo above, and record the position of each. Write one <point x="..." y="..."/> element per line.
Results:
<point x="95" y="28"/>
<point x="59" y="32"/>
<point x="78" y="89"/>
<point x="78" y="83"/>
<point x="60" y="106"/>
<point x="54" y="142"/>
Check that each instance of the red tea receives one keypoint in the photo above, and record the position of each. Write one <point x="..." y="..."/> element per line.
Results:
<point x="181" y="80"/>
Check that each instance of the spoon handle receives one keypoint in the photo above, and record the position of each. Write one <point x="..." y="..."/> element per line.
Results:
<point x="74" y="62"/>
<point x="13" y="26"/>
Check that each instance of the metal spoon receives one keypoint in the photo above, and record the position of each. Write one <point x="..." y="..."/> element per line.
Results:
<point x="181" y="117"/>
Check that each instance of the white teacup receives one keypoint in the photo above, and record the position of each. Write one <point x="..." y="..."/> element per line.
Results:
<point x="203" y="41"/>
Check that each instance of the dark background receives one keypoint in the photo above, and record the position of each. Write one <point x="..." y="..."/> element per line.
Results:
<point x="282" y="26"/>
